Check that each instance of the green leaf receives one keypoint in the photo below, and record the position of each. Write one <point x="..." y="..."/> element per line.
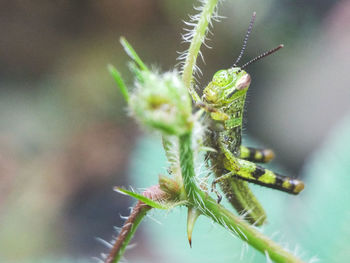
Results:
<point x="142" y="198"/>
<point x="132" y="53"/>
<point x="118" y="79"/>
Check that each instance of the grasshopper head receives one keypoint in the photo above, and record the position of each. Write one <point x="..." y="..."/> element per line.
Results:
<point x="230" y="84"/>
<point x="225" y="86"/>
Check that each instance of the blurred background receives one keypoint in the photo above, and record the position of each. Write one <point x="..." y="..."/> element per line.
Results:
<point x="66" y="138"/>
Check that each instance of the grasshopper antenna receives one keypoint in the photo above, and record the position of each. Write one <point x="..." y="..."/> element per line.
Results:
<point x="265" y="54"/>
<point x="246" y="39"/>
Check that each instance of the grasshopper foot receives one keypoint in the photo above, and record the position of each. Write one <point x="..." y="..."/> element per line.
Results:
<point x="213" y="189"/>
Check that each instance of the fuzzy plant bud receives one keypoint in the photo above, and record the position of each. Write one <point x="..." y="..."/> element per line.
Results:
<point x="161" y="101"/>
<point x="173" y="187"/>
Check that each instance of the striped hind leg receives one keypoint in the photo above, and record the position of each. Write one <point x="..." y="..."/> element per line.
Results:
<point x="256" y="155"/>
<point x="258" y="175"/>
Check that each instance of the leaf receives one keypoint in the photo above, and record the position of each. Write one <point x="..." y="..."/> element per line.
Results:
<point x="118" y="79"/>
<point x="142" y="198"/>
<point x="132" y="53"/>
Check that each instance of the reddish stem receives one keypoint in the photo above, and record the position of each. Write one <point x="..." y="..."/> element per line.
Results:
<point x="130" y="225"/>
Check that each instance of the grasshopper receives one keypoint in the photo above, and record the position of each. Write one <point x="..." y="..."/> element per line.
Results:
<point x="232" y="163"/>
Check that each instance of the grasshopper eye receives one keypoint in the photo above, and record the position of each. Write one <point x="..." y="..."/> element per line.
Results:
<point x="222" y="78"/>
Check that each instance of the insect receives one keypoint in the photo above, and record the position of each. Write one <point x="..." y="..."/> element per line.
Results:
<point x="232" y="163"/>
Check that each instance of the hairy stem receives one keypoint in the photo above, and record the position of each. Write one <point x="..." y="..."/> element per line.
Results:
<point x="129" y="228"/>
<point x="222" y="216"/>
<point x="187" y="166"/>
<point x="127" y="232"/>
<point x="197" y="40"/>
<point x="246" y="232"/>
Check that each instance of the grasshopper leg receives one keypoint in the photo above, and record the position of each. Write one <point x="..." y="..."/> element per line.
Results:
<point x="215" y="113"/>
<point x="231" y="162"/>
<point x="221" y="178"/>
<point x="217" y="180"/>
<point x="256" y="174"/>
<point x="218" y="195"/>
<point x="256" y="155"/>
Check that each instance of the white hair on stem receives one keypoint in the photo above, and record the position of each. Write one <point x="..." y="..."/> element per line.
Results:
<point x="267" y="256"/>
<point x="104" y="242"/>
<point x="244" y="250"/>
<point x="190" y="32"/>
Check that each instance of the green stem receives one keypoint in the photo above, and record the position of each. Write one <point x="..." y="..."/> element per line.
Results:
<point x="246" y="232"/>
<point x="197" y="40"/>
<point x="222" y="216"/>
<point x="127" y="232"/>
<point x="187" y="167"/>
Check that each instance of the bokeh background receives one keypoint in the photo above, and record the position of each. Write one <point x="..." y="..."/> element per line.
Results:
<point x="66" y="138"/>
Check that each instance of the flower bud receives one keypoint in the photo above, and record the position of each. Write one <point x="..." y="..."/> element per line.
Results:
<point x="161" y="101"/>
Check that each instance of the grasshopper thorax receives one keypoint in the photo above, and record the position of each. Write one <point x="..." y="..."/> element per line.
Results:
<point x="226" y="86"/>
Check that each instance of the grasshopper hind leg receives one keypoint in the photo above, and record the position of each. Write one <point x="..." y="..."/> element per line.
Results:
<point x="256" y="155"/>
<point x="256" y="174"/>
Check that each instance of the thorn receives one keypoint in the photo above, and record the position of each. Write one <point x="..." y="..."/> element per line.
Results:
<point x="192" y="216"/>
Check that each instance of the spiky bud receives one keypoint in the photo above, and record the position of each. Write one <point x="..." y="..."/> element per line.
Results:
<point x="161" y="101"/>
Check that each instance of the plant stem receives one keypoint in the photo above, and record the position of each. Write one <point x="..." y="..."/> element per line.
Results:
<point x="198" y="37"/>
<point x="222" y="216"/>
<point x="246" y="232"/>
<point x="187" y="166"/>
<point x="127" y="232"/>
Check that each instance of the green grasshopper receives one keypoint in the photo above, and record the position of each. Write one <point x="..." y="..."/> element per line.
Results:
<point x="232" y="163"/>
